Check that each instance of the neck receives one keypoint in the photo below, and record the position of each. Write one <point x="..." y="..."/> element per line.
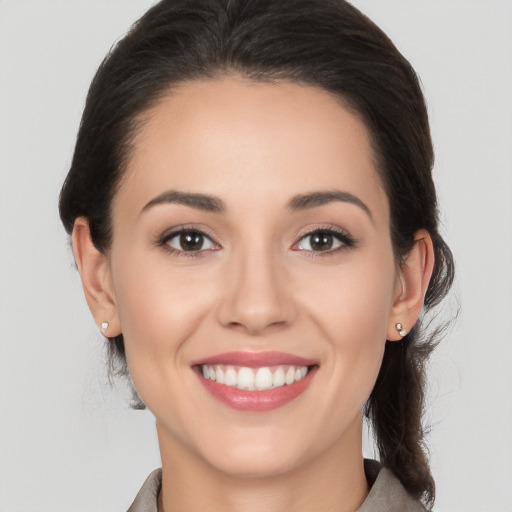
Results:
<point x="334" y="481"/>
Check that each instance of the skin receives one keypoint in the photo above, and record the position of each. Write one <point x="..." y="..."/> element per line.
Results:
<point x="257" y="286"/>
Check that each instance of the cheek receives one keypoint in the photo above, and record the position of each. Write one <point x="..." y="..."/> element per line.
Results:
<point x="159" y="310"/>
<point x="353" y="301"/>
<point x="151" y="297"/>
<point x="352" y="310"/>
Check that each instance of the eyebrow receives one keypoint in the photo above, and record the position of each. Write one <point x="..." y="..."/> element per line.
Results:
<point x="202" y="202"/>
<point x="305" y="201"/>
<point x="213" y="204"/>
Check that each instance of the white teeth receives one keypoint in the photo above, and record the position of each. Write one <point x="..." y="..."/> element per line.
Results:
<point x="252" y="379"/>
<point x="279" y="378"/>
<point x="263" y="379"/>
<point x="245" y="378"/>
<point x="230" y="377"/>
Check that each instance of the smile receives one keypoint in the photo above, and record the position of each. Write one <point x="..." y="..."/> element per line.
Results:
<point x="254" y="379"/>
<point x="255" y="382"/>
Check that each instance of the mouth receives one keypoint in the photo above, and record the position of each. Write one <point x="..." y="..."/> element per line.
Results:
<point x="254" y="379"/>
<point x="255" y="382"/>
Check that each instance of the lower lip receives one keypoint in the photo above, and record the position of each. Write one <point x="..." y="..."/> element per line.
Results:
<point x="257" y="401"/>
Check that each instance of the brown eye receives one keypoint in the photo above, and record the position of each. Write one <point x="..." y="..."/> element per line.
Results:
<point x="190" y="241"/>
<point x="323" y="241"/>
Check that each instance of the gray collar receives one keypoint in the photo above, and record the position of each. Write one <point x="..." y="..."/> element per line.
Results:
<point x="386" y="494"/>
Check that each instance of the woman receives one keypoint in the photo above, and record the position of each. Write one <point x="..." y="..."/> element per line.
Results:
<point x="254" y="222"/>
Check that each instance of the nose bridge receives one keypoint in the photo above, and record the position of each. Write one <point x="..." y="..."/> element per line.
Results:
<point x="257" y="295"/>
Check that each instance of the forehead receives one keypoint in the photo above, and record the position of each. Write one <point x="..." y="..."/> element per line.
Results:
<point x="233" y="134"/>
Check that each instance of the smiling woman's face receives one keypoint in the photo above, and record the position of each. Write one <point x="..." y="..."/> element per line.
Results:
<point x="252" y="244"/>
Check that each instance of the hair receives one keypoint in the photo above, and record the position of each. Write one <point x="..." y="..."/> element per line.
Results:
<point x="327" y="44"/>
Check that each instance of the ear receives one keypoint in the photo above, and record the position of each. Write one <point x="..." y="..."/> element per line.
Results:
<point x="96" y="279"/>
<point x="413" y="277"/>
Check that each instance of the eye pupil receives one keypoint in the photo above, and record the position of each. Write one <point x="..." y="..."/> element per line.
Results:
<point x="321" y="241"/>
<point x="191" y="241"/>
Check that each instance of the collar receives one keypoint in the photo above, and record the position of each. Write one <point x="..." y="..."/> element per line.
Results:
<point x="387" y="494"/>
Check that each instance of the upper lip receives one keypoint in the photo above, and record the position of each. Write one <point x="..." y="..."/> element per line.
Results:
<point x="255" y="359"/>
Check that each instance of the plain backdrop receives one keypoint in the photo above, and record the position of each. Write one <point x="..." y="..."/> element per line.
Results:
<point x="68" y="441"/>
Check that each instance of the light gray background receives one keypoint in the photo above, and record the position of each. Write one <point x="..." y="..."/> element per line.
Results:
<point x="69" y="442"/>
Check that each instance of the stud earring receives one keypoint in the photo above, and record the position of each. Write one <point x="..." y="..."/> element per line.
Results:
<point x="104" y="326"/>
<point x="400" y="328"/>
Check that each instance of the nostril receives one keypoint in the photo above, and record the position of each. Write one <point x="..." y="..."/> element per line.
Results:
<point x="255" y="297"/>
<point x="255" y="328"/>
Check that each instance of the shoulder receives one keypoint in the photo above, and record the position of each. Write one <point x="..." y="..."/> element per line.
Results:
<point x="147" y="498"/>
<point x="387" y="494"/>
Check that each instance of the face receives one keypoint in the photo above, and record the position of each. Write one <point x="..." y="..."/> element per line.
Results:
<point x="251" y="246"/>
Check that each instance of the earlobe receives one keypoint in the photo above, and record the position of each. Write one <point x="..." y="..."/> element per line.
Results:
<point x="96" y="279"/>
<point x="414" y="276"/>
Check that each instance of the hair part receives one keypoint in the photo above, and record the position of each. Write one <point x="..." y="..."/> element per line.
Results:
<point x="328" y="45"/>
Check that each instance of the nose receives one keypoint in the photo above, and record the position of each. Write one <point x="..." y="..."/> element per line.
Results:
<point x="257" y="293"/>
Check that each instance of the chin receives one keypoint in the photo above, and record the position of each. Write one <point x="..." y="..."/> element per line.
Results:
<point x="246" y="466"/>
<point x="246" y="458"/>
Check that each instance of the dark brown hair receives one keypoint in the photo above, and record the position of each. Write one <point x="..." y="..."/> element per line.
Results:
<point x="327" y="44"/>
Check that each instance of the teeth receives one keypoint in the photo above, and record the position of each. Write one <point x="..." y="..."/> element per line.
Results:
<point x="279" y="378"/>
<point x="263" y="379"/>
<point x="251" y="379"/>
<point x="245" y="378"/>
<point x="230" y="377"/>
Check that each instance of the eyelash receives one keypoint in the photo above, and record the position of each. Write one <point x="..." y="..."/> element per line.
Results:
<point x="347" y="242"/>
<point x="167" y="237"/>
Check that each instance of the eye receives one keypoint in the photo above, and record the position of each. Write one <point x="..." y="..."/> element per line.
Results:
<point x="323" y="240"/>
<point x="189" y="240"/>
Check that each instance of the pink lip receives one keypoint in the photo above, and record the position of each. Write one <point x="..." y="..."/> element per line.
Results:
<point x="255" y="359"/>
<point x="256" y="401"/>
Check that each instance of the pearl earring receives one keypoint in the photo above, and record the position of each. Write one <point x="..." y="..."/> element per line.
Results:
<point x="400" y="328"/>
<point x="104" y="326"/>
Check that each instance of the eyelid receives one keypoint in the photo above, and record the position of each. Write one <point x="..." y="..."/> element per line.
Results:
<point x="346" y="239"/>
<point x="169" y="234"/>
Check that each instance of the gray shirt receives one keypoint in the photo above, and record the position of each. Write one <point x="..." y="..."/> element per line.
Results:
<point x="386" y="494"/>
